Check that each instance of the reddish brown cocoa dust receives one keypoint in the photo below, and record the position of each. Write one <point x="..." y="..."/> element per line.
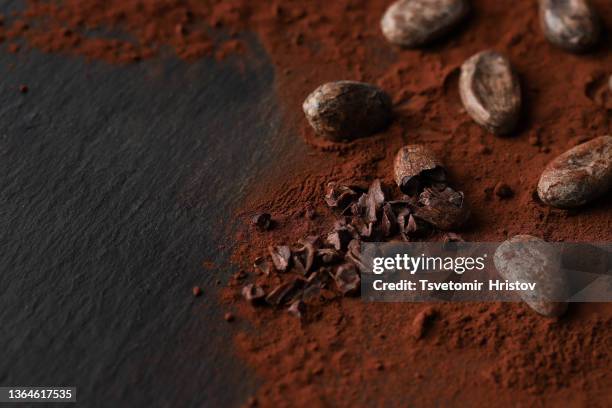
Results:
<point x="346" y="352"/>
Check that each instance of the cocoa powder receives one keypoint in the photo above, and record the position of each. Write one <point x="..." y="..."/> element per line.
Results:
<point x="343" y="351"/>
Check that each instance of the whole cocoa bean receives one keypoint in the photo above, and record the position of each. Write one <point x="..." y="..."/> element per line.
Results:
<point x="412" y="23"/>
<point x="490" y="91"/>
<point x="345" y="110"/>
<point x="579" y="175"/>
<point x="414" y="165"/>
<point x="570" y="24"/>
<point x="530" y="259"/>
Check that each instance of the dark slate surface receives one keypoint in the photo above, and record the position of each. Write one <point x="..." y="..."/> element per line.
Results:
<point x="116" y="183"/>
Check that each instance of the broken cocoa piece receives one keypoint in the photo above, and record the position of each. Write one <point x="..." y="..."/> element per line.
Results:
<point x="503" y="190"/>
<point x="281" y="257"/>
<point x="353" y="255"/>
<point x="347" y="280"/>
<point x="262" y="221"/>
<point x="388" y="222"/>
<point x="412" y="23"/>
<point x="416" y="167"/>
<point x="297" y="309"/>
<point x="373" y="201"/>
<point x="260" y="264"/>
<point x="579" y="175"/>
<point x="285" y="292"/>
<point x="340" y="238"/>
<point x="570" y="24"/>
<point x="339" y="196"/>
<point x="253" y="293"/>
<point x="303" y="256"/>
<point x="346" y="110"/>
<point x="444" y="209"/>
<point x="490" y="91"/>
<point x="328" y="255"/>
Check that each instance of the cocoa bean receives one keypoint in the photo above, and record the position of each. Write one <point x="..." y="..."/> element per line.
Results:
<point x="412" y="23"/>
<point x="346" y="110"/>
<point x="570" y="24"/>
<point x="490" y="91"/>
<point x="530" y="259"/>
<point x="579" y="175"/>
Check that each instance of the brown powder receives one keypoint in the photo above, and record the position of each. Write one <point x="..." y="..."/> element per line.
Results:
<point x="349" y="353"/>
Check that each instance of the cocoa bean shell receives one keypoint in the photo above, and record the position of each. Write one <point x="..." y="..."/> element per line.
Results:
<point x="579" y="175"/>
<point x="570" y="24"/>
<point x="414" y="161"/>
<point x="490" y="91"/>
<point x="412" y="23"/>
<point x="532" y="260"/>
<point x="346" y="110"/>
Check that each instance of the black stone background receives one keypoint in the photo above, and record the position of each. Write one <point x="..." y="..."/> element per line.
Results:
<point x="116" y="183"/>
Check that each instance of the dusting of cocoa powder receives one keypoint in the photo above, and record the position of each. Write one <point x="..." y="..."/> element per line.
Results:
<point x="346" y="352"/>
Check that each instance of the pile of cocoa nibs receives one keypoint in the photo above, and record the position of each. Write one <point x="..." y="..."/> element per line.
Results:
<point x="331" y="265"/>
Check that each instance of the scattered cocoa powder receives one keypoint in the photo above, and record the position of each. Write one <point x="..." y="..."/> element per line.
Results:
<point x="499" y="352"/>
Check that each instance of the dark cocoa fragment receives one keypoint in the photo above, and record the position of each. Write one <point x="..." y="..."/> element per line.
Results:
<point x="444" y="209"/>
<point x="262" y="221"/>
<point x="340" y="238"/>
<point x="260" y="264"/>
<point x="285" y="292"/>
<point x="228" y="317"/>
<point x="346" y="110"/>
<point x="297" y="309"/>
<point x="339" y="196"/>
<point x="503" y="190"/>
<point x="253" y="293"/>
<point x="347" y="280"/>
<point x="303" y="256"/>
<point x="281" y="257"/>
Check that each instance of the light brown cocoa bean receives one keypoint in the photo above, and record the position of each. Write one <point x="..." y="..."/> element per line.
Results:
<point x="579" y="175"/>
<point x="490" y="91"/>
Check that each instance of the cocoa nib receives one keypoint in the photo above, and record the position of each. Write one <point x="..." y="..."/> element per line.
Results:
<point x="339" y="196"/>
<point x="297" y="309"/>
<point x="347" y="280"/>
<point x="303" y="256"/>
<point x="262" y="221"/>
<point x="444" y="209"/>
<point x="281" y="256"/>
<point x="260" y="264"/>
<point x="253" y="293"/>
<point x="340" y="238"/>
<point x="285" y="293"/>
